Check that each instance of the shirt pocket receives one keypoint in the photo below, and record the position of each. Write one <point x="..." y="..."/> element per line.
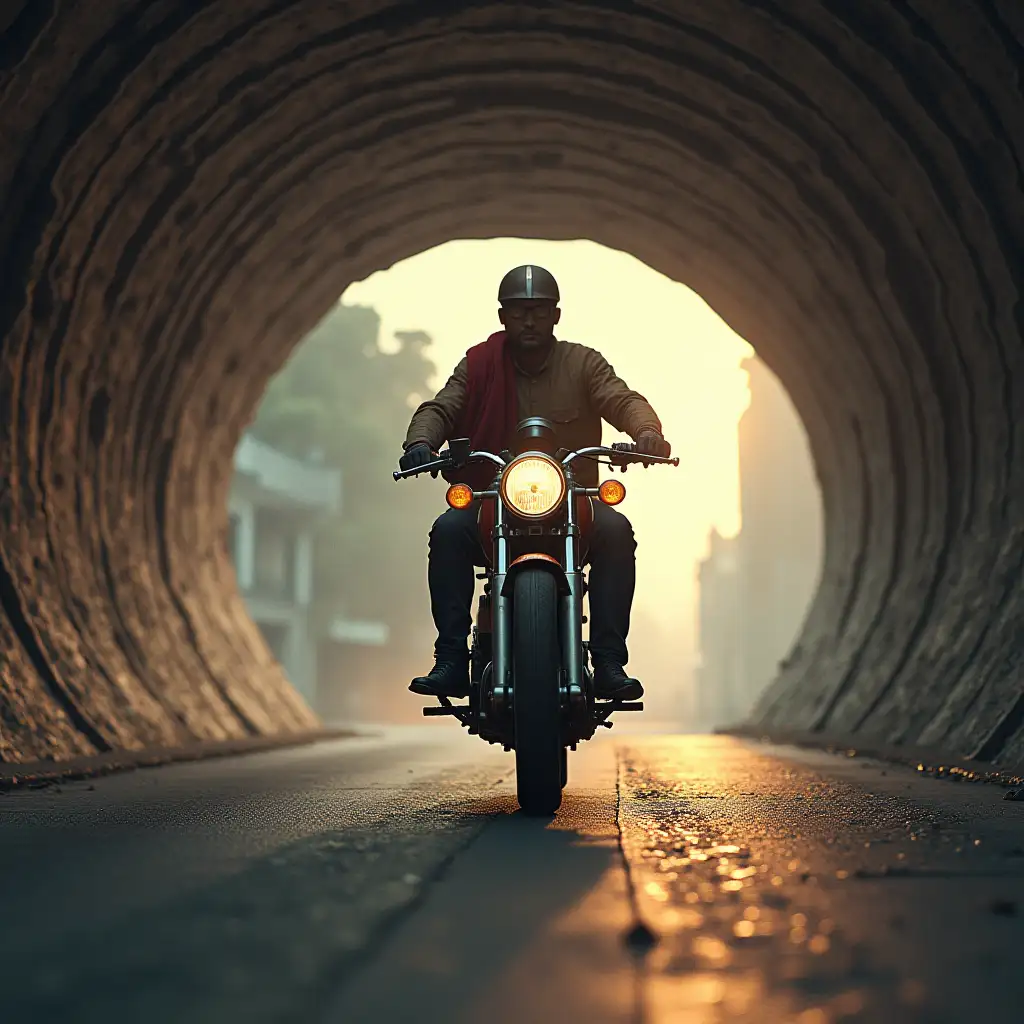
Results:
<point x="570" y="428"/>
<point x="565" y="416"/>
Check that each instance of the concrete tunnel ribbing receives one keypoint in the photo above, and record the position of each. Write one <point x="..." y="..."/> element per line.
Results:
<point x="188" y="187"/>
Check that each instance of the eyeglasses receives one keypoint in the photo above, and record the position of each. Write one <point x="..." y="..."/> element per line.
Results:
<point x="545" y="312"/>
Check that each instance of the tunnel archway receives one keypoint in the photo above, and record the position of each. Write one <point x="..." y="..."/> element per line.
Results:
<point x="188" y="187"/>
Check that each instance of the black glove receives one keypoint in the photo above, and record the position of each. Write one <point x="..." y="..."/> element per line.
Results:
<point x="415" y="456"/>
<point x="650" y="442"/>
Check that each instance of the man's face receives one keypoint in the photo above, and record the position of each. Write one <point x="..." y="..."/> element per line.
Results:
<point x="529" y="323"/>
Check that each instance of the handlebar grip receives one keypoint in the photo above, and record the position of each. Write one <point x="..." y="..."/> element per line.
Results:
<point x="404" y="474"/>
<point x="434" y="467"/>
<point x="625" y="448"/>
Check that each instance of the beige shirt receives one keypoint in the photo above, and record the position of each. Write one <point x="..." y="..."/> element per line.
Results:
<point x="576" y="389"/>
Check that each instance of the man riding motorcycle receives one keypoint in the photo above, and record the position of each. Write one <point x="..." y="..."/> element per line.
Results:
<point x="519" y="372"/>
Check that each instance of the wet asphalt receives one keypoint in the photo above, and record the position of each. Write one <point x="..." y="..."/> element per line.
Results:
<point x="390" y="878"/>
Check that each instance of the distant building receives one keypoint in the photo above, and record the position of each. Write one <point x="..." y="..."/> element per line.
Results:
<point x="782" y="527"/>
<point x="774" y="561"/>
<point x="274" y="505"/>
<point x="719" y="691"/>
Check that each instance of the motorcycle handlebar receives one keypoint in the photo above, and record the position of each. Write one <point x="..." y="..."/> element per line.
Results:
<point x="617" y="453"/>
<point x="618" y="449"/>
<point x="427" y="467"/>
<point x="630" y="449"/>
<point x="445" y="462"/>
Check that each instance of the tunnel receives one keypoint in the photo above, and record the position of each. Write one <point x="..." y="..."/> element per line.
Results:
<point x="188" y="187"/>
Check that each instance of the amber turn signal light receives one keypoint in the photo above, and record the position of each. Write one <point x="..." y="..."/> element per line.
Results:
<point x="611" y="492"/>
<point x="459" y="496"/>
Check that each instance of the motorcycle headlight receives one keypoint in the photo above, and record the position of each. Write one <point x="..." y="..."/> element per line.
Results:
<point x="533" y="486"/>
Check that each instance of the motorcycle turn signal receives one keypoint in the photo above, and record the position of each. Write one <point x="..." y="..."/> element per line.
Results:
<point x="459" y="496"/>
<point x="612" y="492"/>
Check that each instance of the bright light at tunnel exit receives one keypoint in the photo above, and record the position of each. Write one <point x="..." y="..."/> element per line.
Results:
<point x="664" y="340"/>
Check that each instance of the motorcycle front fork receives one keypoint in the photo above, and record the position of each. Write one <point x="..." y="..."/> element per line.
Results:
<point x="482" y="651"/>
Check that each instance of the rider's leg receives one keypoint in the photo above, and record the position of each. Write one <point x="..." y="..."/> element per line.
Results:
<point x="612" y="581"/>
<point x="453" y="553"/>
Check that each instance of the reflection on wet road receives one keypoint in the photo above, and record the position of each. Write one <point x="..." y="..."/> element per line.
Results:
<point x="805" y="887"/>
<point x="390" y="879"/>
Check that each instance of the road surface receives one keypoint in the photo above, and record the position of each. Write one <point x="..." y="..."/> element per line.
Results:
<point x="389" y="878"/>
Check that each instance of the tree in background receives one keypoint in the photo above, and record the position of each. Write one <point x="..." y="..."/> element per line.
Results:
<point x="344" y="401"/>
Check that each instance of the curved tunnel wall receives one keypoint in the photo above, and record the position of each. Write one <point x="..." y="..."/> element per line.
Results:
<point x="186" y="188"/>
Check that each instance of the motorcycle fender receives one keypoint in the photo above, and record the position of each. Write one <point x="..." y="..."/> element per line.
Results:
<point x="534" y="561"/>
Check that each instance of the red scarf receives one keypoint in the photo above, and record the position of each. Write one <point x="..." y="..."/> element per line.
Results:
<point x="492" y="409"/>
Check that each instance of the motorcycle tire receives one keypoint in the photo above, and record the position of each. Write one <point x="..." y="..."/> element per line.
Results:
<point x="565" y="766"/>
<point x="536" y="655"/>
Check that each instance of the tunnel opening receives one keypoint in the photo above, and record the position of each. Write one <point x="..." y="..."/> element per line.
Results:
<point x="665" y="341"/>
<point x="186" y="193"/>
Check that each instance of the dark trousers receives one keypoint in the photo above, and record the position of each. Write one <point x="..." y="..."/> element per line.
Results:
<point x="455" y="550"/>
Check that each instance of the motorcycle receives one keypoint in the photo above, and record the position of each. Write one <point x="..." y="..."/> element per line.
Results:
<point x="531" y="687"/>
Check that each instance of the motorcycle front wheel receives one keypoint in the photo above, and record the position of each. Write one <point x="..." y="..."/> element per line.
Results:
<point x="536" y="708"/>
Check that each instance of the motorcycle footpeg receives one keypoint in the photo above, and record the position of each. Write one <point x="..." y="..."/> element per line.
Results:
<point x="604" y="700"/>
<point x="627" y="705"/>
<point x="446" y="707"/>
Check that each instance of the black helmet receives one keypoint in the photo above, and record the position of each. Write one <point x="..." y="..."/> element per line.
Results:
<point x="528" y="282"/>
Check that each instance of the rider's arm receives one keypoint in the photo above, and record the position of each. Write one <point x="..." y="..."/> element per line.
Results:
<point x="625" y="409"/>
<point x="433" y="422"/>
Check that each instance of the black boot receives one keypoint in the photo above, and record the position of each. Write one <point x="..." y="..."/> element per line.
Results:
<point x="612" y="683"/>
<point x="448" y="678"/>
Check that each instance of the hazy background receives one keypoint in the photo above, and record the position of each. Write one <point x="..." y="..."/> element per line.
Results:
<point x="344" y="399"/>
